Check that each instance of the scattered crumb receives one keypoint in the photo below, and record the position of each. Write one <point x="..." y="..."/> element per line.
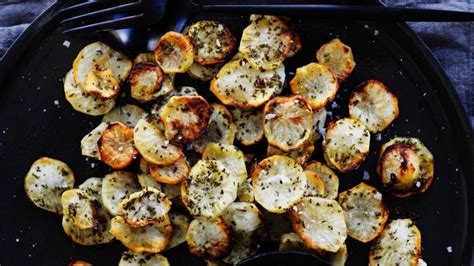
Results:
<point x="66" y="43"/>
<point x="376" y="32"/>
<point x="92" y="165"/>
<point x="449" y="249"/>
<point x="334" y="105"/>
<point x="378" y="136"/>
<point x="366" y="176"/>
<point x="424" y="94"/>
<point x="38" y="88"/>
<point x="418" y="184"/>
<point x="366" y="26"/>
<point x="44" y="110"/>
<point x="17" y="240"/>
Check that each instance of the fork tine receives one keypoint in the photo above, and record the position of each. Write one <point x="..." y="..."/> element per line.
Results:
<point x="119" y="23"/>
<point x="107" y="11"/>
<point x="79" y="7"/>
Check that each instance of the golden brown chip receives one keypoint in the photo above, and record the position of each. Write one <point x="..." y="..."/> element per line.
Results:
<point x="248" y="124"/>
<point x="212" y="41"/>
<point x="79" y="263"/>
<point x="209" y="239"/>
<point x="170" y="174"/>
<point x="174" y="52"/>
<point x="116" y="146"/>
<point x="185" y="118"/>
<point x="314" y="185"/>
<point x="338" y="56"/>
<point x="102" y="83"/>
<point x="146" y="80"/>
<point x="79" y="207"/>
<point x="330" y="179"/>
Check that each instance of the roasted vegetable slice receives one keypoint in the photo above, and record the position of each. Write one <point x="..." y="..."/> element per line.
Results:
<point x="338" y="56"/>
<point x="116" y="187"/>
<point x="320" y="223"/>
<point x="330" y="179"/>
<point x="364" y="212"/>
<point x="346" y="145"/>
<point x="266" y="42"/>
<point x="230" y="157"/>
<point x="373" y="104"/>
<point x="291" y="241"/>
<point x="203" y="72"/>
<point x="301" y="155"/>
<point x="46" y="181"/>
<point x="130" y="258"/>
<point x="180" y="227"/>
<point x="278" y="182"/>
<point x="84" y="102"/>
<point x="314" y="185"/>
<point x="220" y="128"/>
<point x="239" y="84"/>
<point x="148" y="206"/>
<point x="79" y="207"/>
<point x="153" y="146"/>
<point x="89" y="143"/>
<point x="170" y="174"/>
<point x="93" y="187"/>
<point x="209" y="189"/>
<point x="129" y="114"/>
<point x="287" y="122"/>
<point x="212" y="41"/>
<point x="102" y="83"/>
<point x="78" y="263"/>
<point x="208" y="238"/>
<point x="185" y="118"/>
<point x="149" y="238"/>
<point x="248" y="125"/>
<point x="319" y="120"/>
<point x="116" y="146"/>
<point x="146" y="79"/>
<point x="99" y="234"/>
<point x="99" y="56"/>
<point x="317" y="83"/>
<point x="399" y="244"/>
<point x="174" y="52"/>
<point x="405" y="166"/>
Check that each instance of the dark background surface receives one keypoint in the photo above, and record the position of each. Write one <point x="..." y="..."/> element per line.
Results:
<point x="33" y="126"/>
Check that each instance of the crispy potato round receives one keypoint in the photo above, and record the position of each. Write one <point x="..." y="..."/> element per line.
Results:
<point x="79" y="207"/>
<point x="405" y="166"/>
<point x="320" y="223"/>
<point x="317" y="83"/>
<point x="287" y="122"/>
<point x="99" y="56"/>
<point x="248" y="125"/>
<point x="153" y="146"/>
<point x="220" y="128"/>
<point x="102" y="83"/>
<point x="170" y="174"/>
<point x="241" y="85"/>
<point x="116" y="146"/>
<point x="208" y="238"/>
<point x="174" y="52"/>
<point x="319" y="120"/>
<point x="399" y="244"/>
<point x="130" y="258"/>
<point x="84" y="102"/>
<point x="209" y="189"/>
<point x="364" y="212"/>
<point x="149" y="238"/>
<point x="301" y="154"/>
<point x="185" y="118"/>
<point x="93" y="187"/>
<point x="212" y="41"/>
<point x="146" y="79"/>
<point x="46" y="181"/>
<point x="266" y="42"/>
<point x="180" y="227"/>
<point x="246" y="223"/>
<point x="148" y="206"/>
<point x="338" y="57"/>
<point x="129" y="114"/>
<point x="330" y="179"/>
<point x="203" y="72"/>
<point x="314" y="185"/>
<point x="373" y="104"/>
<point x="278" y="182"/>
<point x="116" y="187"/>
<point x="346" y="145"/>
<point x="230" y="157"/>
<point x="89" y="143"/>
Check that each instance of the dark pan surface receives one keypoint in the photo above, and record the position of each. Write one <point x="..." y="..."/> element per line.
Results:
<point x="32" y="125"/>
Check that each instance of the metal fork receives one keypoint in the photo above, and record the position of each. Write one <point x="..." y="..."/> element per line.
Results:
<point x="108" y="15"/>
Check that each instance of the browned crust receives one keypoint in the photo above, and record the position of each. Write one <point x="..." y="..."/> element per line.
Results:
<point x="153" y="168"/>
<point x="142" y="68"/>
<point x="101" y="93"/>
<point x="79" y="263"/>
<point x="116" y="146"/>
<point x="279" y="100"/>
<point x="186" y="134"/>
<point x="149" y="221"/>
<point x="215" y="250"/>
<point x="296" y="225"/>
<point x="172" y="38"/>
<point x="348" y="68"/>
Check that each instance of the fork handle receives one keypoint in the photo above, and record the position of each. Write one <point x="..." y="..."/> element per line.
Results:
<point x="343" y="12"/>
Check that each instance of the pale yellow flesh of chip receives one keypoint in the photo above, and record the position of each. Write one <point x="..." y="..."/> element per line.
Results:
<point x="79" y="207"/>
<point x="116" y="187"/>
<point x="208" y="238"/>
<point x="330" y="179"/>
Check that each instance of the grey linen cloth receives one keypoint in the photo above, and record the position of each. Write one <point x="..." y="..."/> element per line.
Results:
<point x="451" y="43"/>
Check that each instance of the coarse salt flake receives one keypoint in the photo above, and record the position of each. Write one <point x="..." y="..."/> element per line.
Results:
<point x="449" y="249"/>
<point x="378" y="136"/>
<point x="366" y="176"/>
<point x="66" y="43"/>
<point x="378" y="196"/>
<point x="270" y="116"/>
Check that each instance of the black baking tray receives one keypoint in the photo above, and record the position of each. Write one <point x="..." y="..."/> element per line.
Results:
<point x="32" y="125"/>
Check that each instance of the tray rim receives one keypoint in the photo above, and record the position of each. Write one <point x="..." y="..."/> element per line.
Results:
<point x="38" y="26"/>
